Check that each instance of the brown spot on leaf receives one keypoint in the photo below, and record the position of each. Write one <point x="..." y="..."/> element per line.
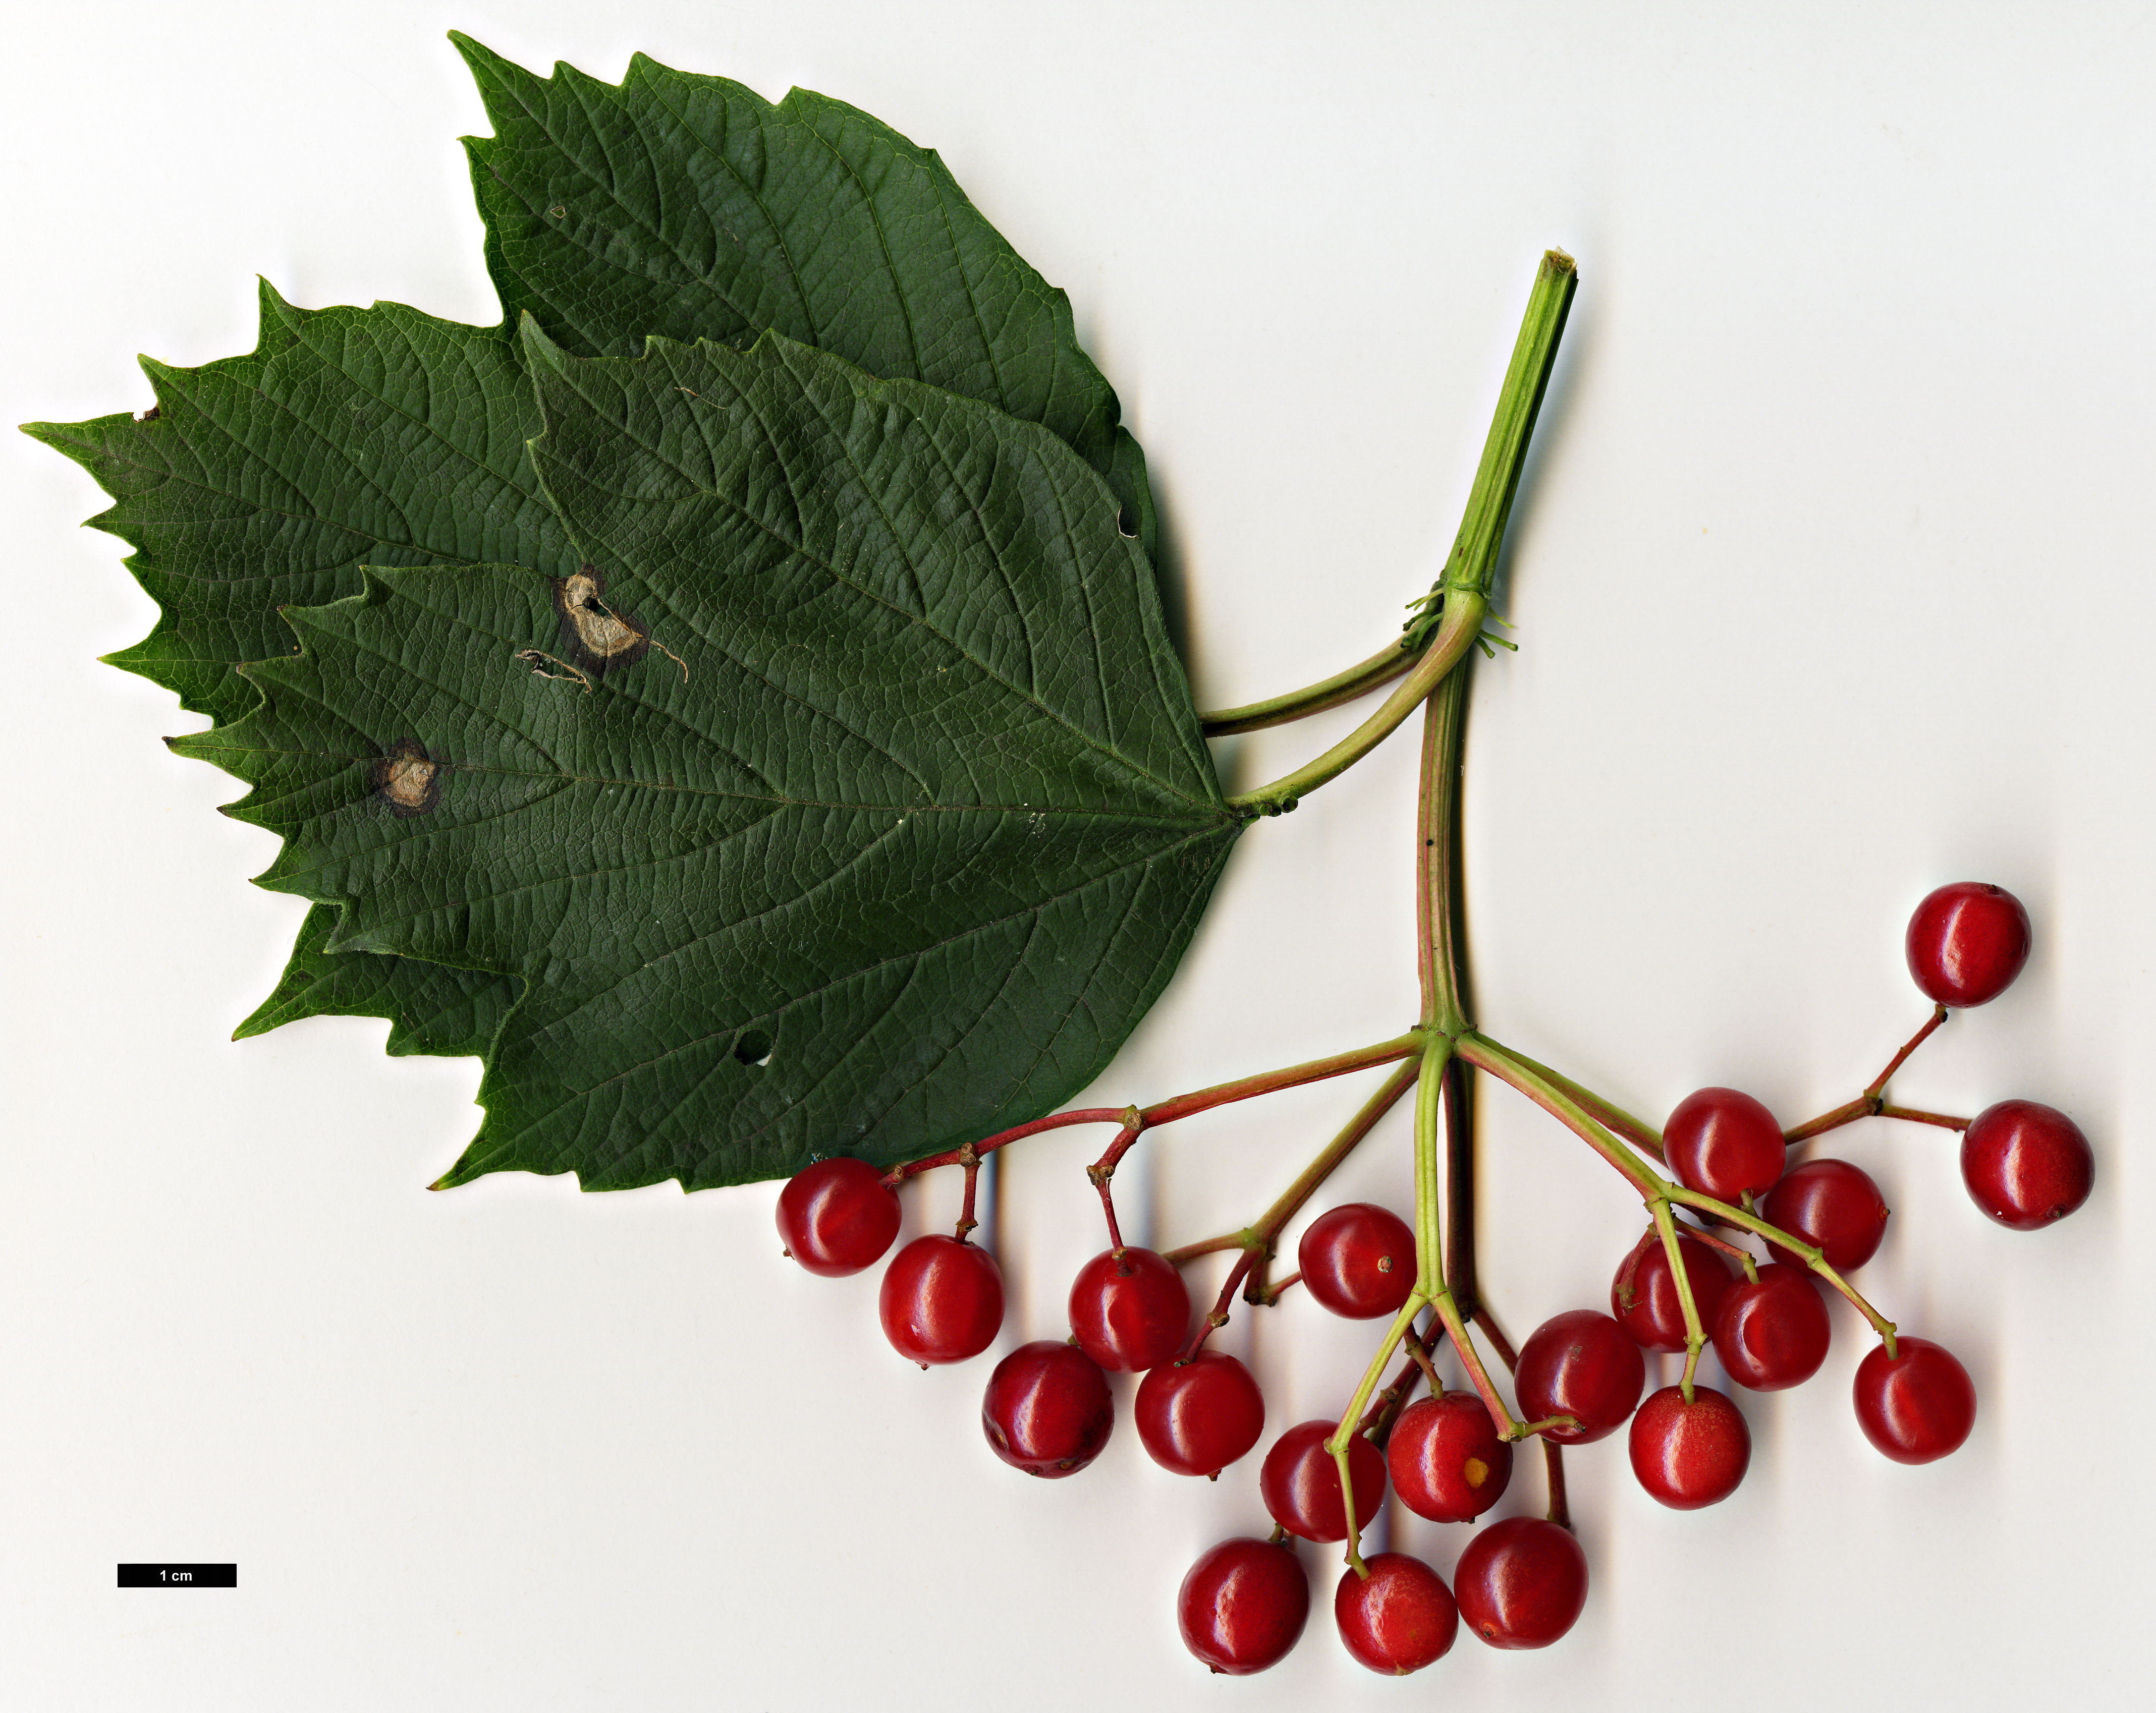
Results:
<point x="597" y="635"/>
<point x="408" y="779"/>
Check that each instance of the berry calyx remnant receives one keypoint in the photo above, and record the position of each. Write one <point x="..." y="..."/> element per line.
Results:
<point x="1772" y="1332"/>
<point x="1916" y="1405"/>
<point x="1690" y="1455"/>
<point x="1130" y="1310"/>
<point x="2025" y="1164"/>
<point x="837" y="1216"/>
<point x="1644" y="1297"/>
<point x="1966" y="942"/>
<point x="1242" y="1605"/>
<point x="1195" y="1417"/>
<point x="1832" y="1205"/>
<point x="1399" y="1618"/>
<point x="1581" y="1364"/>
<point x="1358" y="1259"/>
<point x="1521" y="1582"/>
<point x="942" y="1302"/>
<point x="1300" y="1482"/>
<point x="1048" y="1409"/>
<point x="1446" y="1459"/>
<point x="1723" y="1141"/>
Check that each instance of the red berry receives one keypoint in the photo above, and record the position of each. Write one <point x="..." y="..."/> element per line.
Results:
<point x="837" y="1216"/>
<point x="942" y="1300"/>
<point x="2026" y="1164"/>
<point x="1522" y="1583"/>
<point x="1242" y="1605"/>
<point x="1966" y="942"/>
<point x="1300" y="1482"/>
<point x="1833" y="1206"/>
<point x="1725" y="1142"/>
<point x="1048" y="1410"/>
<point x="1916" y="1405"/>
<point x="1693" y="1454"/>
<point x="1129" y="1311"/>
<point x="1581" y="1364"/>
<point x="1196" y="1417"/>
<point x="1398" y="1619"/>
<point x="1772" y="1333"/>
<point x="1446" y="1459"/>
<point x="1358" y="1260"/>
<point x="1644" y="1298"/>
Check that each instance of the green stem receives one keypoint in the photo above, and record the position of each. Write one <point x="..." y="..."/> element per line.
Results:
<point x="1261" y="1232"/>
<point x="1465" y="586"/>
<point x="1694" y="1334"/>
<point x="1382" y="668"/>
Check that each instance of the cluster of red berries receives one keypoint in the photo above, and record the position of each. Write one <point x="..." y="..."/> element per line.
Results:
<point x="1521" y="1582"/>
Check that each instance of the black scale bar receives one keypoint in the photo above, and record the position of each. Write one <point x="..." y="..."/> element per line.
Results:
<point x="179" y="1576"/>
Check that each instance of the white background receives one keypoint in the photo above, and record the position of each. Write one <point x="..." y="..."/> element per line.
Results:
<point x="1832" y="573"/>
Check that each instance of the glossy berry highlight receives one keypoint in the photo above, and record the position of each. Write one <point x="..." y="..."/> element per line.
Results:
<point x="2026" y="1165"/>
<point x="1580" y="1364"/>
<point x="1690" y="1455"/>
<point x="1917" y="1405"/>
<point x="1447" y="1462"/>
<point x="1196" y="1417"/>
<point x="1966" y="942"/>
<point x="1130" y="1310"/>
<point x="1400" y="1617"/>
<point x="1242" y="1605"/>
<point x="1644" y="1298"/>
<point x="837" y="1216"/>
<point x="1300" y="1482"/>
<point x="1048" y="1410"/>
<point x="942" y="1302"/>
<point x="1832" y="1205"/>
<point x="1522" y="1583"/>
<point x="1358" y="1260"/>
<point x="1772" y="1333"/>
<point x="1723" y="1141"/>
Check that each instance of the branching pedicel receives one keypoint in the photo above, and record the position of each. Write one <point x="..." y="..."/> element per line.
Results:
<point x="691" y="593"/>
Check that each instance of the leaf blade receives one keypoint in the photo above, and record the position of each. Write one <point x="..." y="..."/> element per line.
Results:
<point x="839" y="825"/>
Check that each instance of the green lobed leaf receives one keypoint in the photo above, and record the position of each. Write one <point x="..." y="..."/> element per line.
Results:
<point x="690" y="207"/>
<point x="384" y="436"/>
<point x="862" y="808"/>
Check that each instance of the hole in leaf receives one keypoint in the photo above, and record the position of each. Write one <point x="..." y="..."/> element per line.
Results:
<point x="558" y="212"/>
<point x="1127" y="520"/>
<point x="753" y="1047"/>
